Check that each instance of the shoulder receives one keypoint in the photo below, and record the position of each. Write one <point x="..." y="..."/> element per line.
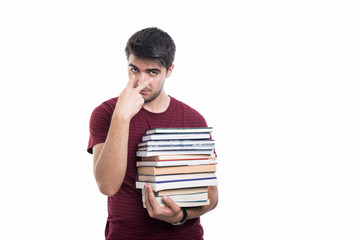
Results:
<point x="102" y="114"/>
<point x="192" y="115"/>
<point x="100" y="122"/>
<point x="105" y="108"/>
<point x="108" y="104"/>
<point x="185" y="107"/>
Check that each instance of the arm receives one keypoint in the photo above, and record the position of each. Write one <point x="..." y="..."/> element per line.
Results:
<point x="198" y="211"/>
<point x="110" y="158"/>
<point x="172" y="212"/>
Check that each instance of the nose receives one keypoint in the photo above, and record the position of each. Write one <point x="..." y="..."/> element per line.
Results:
<point x="141" y="77"/>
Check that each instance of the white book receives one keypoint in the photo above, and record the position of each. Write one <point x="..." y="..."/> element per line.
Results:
<point x="176" y="148"/>
<point x="172" y="177"/>
<point x="177" y="143"/>
<point x="174" y="163"/>
<point x="181" y="152"/>
<point x="186" y="204"/>
<point x="203" y="196"/>
<point x="179" y="130"/>
<point x="176" y="136"/>
<point x="181" y="184"/>
<point x="179" y="191"/>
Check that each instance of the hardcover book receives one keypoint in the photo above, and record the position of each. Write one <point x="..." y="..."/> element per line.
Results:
<point x="179" y="191"/>
<point x="179" y="184"/>
<point x="177" y="143"/>
<point x="174" y="177"/>
<point x="174" y="136"/>
<point x="174" y="163"/>
<point x="180" y="152"/>
<point x="180" y="157"/>
<point x="176" y="170"/>
<point x="179" y="130"/>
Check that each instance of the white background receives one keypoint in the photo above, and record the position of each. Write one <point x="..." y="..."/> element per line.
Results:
<point x="278" y="81"/>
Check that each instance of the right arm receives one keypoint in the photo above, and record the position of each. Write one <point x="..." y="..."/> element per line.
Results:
<point x="110" y="157"/>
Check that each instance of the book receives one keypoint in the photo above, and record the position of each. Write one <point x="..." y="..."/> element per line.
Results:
<point x="177" y="143"/>
<point x="178" y="184"/>
<point x="157" y="153"/>
<point x="186" y="204"/>
<point x="202" y="196"/>
<point x="162" y="163"/>
<point x="185" y="197"/>
<point x="179" y="130"/>
<point x="174" y="177"/>
<point x="176" y="169"/>
<point x="183" y="180"/>
<point x="179" y="191"/>
<point x="176" y="148"/>
<point x="174" y="136"/>
<point x="179" y="163"/>
<point x="179" y="157"/>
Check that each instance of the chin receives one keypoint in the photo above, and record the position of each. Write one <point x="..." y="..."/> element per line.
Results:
<point x="150" y="98"/>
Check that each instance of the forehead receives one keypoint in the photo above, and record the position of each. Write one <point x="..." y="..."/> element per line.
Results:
<point x="144" y="63"/>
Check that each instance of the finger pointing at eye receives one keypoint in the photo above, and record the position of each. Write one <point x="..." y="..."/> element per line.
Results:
<point x="144" y="84"/>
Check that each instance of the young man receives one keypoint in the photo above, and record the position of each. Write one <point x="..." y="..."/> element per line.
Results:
<point x="116" y="127"/>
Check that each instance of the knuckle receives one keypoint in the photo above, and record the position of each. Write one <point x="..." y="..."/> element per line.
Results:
<point x="157" y="213"/>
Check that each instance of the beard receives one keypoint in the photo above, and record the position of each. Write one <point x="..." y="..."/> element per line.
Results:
<point x="154" y="95"/>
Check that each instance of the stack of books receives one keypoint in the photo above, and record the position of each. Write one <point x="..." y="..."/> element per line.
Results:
<point x="179" y="163"/>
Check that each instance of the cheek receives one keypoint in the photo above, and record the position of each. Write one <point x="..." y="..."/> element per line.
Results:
<point x="156" y="83"/>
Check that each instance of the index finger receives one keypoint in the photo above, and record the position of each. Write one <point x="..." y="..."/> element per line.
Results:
<point x="147" y="202"/>
<point x="131" y="81"/>
<point x="144" y="84"/>
<point x="151" y="196"/>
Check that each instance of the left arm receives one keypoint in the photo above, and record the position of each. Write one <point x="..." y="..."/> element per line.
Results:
<point x="172" y="212"/>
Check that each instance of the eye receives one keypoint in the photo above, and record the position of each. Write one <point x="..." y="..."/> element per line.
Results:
<point x="134" y="70"/>
<point x="153" y="73"/>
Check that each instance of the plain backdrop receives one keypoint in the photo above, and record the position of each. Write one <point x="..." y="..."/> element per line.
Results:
<point x="278" y="81"/>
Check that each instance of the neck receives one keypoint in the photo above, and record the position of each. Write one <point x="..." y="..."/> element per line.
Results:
<point x="159" y="104"/>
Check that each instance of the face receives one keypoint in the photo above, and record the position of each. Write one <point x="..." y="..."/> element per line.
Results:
<point x="144" y="70"/>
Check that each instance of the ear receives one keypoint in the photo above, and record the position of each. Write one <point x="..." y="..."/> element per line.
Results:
<point x="170" y="70"/>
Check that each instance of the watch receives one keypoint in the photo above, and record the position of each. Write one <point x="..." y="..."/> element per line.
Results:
<point x="183" y="220"/>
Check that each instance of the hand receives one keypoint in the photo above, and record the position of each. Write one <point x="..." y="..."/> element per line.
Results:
<point x="171" y="213"/>
<point x="130" y="100"/>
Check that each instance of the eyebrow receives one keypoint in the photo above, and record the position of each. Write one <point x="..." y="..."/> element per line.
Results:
<point x="148" y="70"/>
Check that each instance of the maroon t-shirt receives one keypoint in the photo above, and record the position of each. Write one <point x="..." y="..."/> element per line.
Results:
<point x="127" y="219"/>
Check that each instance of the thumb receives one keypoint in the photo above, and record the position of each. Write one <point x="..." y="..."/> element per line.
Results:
<point x="170" y="203"/>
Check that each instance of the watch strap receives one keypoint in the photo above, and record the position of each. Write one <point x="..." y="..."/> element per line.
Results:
<point x="183" y="220"/>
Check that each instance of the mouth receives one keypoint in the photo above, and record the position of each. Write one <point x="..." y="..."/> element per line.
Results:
<point x="145" y="91"/>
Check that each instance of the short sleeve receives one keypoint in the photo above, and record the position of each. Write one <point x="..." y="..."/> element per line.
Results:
<point x="99" y="125"/>
<point x="202" y="121"/>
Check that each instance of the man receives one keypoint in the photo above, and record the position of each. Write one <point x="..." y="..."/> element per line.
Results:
<point x="116" y="127"/>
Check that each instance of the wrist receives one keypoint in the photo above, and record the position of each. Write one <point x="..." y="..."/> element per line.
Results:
<point x="183" y="214"/>
<point x="121" y="118"/>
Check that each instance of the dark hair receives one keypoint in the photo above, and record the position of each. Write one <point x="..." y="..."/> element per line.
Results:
<point x="152" y="44"/>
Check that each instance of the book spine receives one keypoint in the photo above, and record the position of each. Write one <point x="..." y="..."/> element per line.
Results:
<point x="184" y="180"/>
<point x="173" y="185"/>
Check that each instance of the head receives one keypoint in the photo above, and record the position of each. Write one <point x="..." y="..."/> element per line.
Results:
<point x="152" y="44"/>
<point x="150" y="53"/>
